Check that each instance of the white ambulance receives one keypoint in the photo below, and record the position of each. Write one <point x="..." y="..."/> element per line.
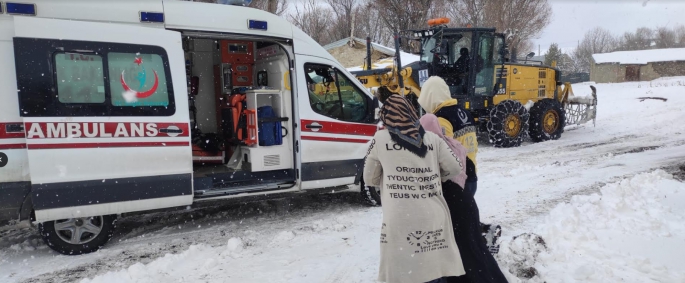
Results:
<point x="114" y="107"/>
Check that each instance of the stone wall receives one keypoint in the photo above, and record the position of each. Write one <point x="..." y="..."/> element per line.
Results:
<point x="607" y="73"/>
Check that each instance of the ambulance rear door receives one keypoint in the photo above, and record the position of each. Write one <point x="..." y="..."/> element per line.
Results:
<point x="106" y="117"/>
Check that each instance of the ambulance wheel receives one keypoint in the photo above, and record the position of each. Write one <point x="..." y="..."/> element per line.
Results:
<point x="77" y="236"/>
<point x="508" y="124"/>
<point x="371" y="195"/>
<point x="547" y="120"/>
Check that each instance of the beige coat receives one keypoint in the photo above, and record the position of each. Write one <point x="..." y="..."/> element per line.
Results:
<point x="417" y="239"/>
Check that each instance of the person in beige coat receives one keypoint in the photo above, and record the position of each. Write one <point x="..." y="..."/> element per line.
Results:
<point x="417" y="242"/>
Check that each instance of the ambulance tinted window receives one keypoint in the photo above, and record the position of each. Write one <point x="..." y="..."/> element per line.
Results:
<point x="79" y="78"/>
<point x="333" y="95"/>
<point x="67" y="78"/>
<point x="354" y="101"/>
<point x="137" y="79"/>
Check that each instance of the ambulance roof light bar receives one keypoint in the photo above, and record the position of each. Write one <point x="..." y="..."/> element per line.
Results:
<point x="258" y="25"/>
<point x="21" y="9"/>
<point x="235" y="2"/>
<point x="151" y="17"/>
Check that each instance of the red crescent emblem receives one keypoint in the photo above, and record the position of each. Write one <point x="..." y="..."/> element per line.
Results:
<point x="143" y="94"/>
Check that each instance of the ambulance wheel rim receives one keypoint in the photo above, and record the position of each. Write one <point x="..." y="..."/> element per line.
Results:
<point x="512" y="125"/>
<point x="550" y="122"/>
<point x="78" y="231"/>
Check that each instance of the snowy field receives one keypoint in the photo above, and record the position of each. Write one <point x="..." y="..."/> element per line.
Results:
<point x="602" y="204"/>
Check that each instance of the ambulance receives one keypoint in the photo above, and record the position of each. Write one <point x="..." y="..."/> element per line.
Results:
<point x="116" y="107"/>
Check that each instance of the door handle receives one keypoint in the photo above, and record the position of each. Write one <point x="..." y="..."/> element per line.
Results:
<point x="171" y="131"/>
<point x="314" y="126"/>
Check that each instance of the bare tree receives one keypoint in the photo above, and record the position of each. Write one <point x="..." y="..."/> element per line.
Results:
<point x="680" y="35"/>
<point x="597" y="40"/>
<point x="278" y="7"/>
<point x="400" y="15"/>
<point x="639" y="40"/>
<point x="344" y="11"/>
<point x="314" y="20"/>
<point x="528" y="17"/>
<point x="665" y="38"/>
<point x="369" y="23"/>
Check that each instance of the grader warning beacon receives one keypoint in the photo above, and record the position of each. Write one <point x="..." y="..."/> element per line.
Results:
<point x="509" y="99"/>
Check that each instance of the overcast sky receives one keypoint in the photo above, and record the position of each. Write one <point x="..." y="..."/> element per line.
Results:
<point x="572" y="18"/>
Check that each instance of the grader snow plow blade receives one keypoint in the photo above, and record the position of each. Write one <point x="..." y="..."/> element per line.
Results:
<point x="579" y="109"/>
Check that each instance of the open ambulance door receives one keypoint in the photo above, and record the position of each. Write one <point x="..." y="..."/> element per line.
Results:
<point x="337" y="120"/>
<point x="106" y="117"/>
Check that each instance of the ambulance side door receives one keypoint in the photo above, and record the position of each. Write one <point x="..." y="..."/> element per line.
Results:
<point x="106" y="117"/>
<point x="336" y="123"/>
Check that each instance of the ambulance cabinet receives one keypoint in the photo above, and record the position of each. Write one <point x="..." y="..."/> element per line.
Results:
<point x="241" y="57"/>
<point x="266" y="158"/>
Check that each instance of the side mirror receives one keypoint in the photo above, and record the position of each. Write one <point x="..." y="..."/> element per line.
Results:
<point x="531" y="54"/>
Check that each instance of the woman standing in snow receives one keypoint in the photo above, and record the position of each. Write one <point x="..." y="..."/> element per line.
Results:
<point x="478" y="262"/>
<point x="409" y="165"/>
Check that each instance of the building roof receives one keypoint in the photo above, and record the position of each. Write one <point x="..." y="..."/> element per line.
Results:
<point x="406" y="59"/>
<point x="641" y="56"/>
<point x="380" y="48"/>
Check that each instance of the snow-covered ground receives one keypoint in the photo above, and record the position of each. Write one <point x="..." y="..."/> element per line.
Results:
<point x="590" y="207"/>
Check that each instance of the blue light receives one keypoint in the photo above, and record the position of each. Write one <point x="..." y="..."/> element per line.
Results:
<point x="235" y="2"/>
<point x="152" y="17"/>
<point x="21" y="9"/>
<point x="261" y="25"/>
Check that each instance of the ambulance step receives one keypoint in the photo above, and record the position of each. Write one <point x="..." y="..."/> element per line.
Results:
<point x="239" y="189"/>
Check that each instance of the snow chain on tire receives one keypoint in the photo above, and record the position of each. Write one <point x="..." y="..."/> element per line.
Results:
<point x="499" y="116"/>
<point x="540" y="115"/>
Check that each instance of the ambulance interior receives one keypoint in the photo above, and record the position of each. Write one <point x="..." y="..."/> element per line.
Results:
<point x="240" y="108"/>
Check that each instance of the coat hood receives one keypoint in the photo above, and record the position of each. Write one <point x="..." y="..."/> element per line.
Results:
<point x="434" y="93"/>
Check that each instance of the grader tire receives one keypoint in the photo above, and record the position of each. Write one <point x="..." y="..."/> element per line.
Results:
<point x="547" y="120"/>
<point x="508" y="124"/>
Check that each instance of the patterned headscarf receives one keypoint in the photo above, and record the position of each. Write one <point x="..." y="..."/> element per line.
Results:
<point x="400" y="118"/>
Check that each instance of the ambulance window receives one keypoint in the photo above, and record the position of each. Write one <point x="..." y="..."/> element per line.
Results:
<point x="354" y="102"/>
<point x="79" y="78"/>
<point x="334" y="95"/>
<point x="137" y="79"/>
<point x="323" y="94"/>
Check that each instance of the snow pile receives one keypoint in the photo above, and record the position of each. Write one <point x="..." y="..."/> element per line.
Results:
<point x="641" y="56"/>
<point x="633" y="231"/>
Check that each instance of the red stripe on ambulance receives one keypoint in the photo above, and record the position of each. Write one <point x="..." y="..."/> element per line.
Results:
<point x="341" y="128"/>
<point x="310" y="138"/>
<point x="13" y="146"/>
<point x="105" y="130"/>
<point x="11" y="130"/>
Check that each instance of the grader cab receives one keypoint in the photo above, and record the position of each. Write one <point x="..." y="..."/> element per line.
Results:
<point x="508" y="99"/>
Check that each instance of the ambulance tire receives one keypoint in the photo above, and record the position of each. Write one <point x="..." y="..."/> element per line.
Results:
<point x="371" y="195"/>
<point x="58" y="234"/>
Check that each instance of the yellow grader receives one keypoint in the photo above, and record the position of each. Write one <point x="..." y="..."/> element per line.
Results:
<point x="508" y="99"/>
